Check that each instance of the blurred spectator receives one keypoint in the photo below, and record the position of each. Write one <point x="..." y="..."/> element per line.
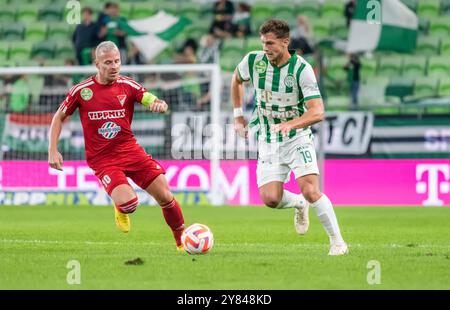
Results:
<point x="187" y="55"/>
<point x="85" y="36"/>
<point x="135" y="57"/>
<point x="223" y="11"/>
<point x="19" y="100"/>
<point x="242" y="21"/>
<point x="302" y="36"/>
<point x="353" y="68"/>
<point x="209" y="49"/>
<point x="349" y="9"/>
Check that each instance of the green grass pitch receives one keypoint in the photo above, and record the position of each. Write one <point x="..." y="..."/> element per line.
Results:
<point x="255" y="248"/>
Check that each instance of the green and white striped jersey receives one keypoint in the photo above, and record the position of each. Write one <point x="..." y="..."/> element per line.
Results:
<point x="280" y="92"/>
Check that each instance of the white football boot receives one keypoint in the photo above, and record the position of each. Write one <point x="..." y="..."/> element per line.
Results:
<point x="338" y="249"/>
<point x="301" y="219"/>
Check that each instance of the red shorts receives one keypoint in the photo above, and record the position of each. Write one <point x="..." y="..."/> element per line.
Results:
<point x="143" y="172"/>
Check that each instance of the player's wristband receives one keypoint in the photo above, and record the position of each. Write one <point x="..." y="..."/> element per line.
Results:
<point x="238" y="112"/>
<point x="148" y="99"/>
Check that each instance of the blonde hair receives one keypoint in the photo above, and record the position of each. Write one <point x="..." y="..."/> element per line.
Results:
<point x="104" y="47"/>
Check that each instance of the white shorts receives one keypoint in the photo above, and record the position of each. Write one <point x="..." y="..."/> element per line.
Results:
<point x="277" y="160"/>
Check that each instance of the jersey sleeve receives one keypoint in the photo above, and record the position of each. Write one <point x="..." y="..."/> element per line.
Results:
<point x="70" y="104"/>
<point x="243" y="69"/>
<point x="308" y="83"/>
<point x="138" y="89"/>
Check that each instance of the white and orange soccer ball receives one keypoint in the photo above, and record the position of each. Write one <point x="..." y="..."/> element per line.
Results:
<point x="197" y="239"/>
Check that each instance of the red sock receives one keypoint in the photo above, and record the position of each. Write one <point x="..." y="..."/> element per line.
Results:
<point x="174" y="218"/>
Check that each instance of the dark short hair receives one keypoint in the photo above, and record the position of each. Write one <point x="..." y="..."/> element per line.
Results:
<point x="278" y="27"/>
<point x="87" y="9"/>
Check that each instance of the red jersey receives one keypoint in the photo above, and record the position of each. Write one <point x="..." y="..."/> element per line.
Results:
<point x="106" y="113"/>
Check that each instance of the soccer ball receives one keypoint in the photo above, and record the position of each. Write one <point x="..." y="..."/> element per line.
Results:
<point x="197" y="239"/>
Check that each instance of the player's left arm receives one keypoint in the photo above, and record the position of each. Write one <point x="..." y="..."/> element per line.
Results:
<point x="149" y="100"/>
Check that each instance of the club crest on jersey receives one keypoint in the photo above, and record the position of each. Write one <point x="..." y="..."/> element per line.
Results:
<point x="289" y="80"/>
<point x="260" y="66"/>
<point x="122" y="99"/>
<point x="109" y="130"/>
<point x="86" y="93"/>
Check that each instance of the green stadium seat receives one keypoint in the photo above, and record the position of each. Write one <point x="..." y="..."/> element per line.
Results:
<point x="7" y="14"/>
<point x="165" y="57"/>
<point x="20" y="50"/>
<point x="228" y="63"/>
<point x="400" y="87"/>
<point x="261" y="12"/>
<point x="285" y="13"/>
<point x="169" y="7"/>
<point x="57" y="62"/>
<point x="338" y="28"/>
<point x="309" y="8"/>
<point x="414" y="66"/>
<point x="335" y="68"/>
<point x="45" y="49"/>
<point x="412" y="4"/>
<point x="13" y="31"/>
<point x="192" y="11"/>
<point x="59" y="31"/>
<point x="428" y="8"/>
<point x="141" y="10"/>
<point x="28" y="13"/>
<point x="425" y="87"/>
<point x="27" y="63"/>
<point x="333" y="9"/>
<point x="51" y="13"/>
<point x="428" y="45"/>
<point x="4" y="50"/>
<point x="36" y="32"/>
<point x="368" y="68"/>
<point x="444" y="87"/>
<point x="440" y="27"/>
<point x="125" y="9"/>
<point x="234" y="44"/>
<point x="445" y="46"/>
<point x="438" y="66"/>
<point x="321" y="28"/>
<point x="65" y="50"/>
<point x="390" y="66"/>
<point x="196" y="30"/>
<point x="253" y="44"/>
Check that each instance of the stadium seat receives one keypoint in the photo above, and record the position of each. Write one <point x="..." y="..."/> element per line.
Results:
<point x="7" y="14"/>
<point x="253" y="44"/>
<point x="309" y="8"/>
<point x="125" y="9"/>
<point x="412" y="4"/>
<point x="425" y="87"/>
<point x="390" y="65"/>
<point x="285" y="13"/>
<point x="234" y="44"/>
<point x="20" y="50"/>
<point x="333" y="9"/>
<point x="400" y="87"/>
<point x="65" y="50"/>
<point x="36" y="32"/>
<point x="438" y="66"/>
<point x="45" y="49"/>
<point x="440" y="27"/>
<point x="368" y="68"/>
<point x="428" y="45"/>
<point x="228" y="64"/>
<point x="28" y="13"/>
<point x="428" y="8"/>
<point x="170" y="7"/>
<point x="338" y="28"/>
<point x="192" y="11"/>
<point x="196" y="30"/>
<point x="335" y="68"/>
<point x="51" y="13"/>
<point x="141" y="10"/>
<point x="261" y="12"/>
<point x="59" y="31"/>
<point x="4" y="50"/>
<point x="13" y="31"/>
<point x="414" y="66"/>
<point x="321" y="28"/>
<point x="444" y="87"/>
<point x="445" y="46"/>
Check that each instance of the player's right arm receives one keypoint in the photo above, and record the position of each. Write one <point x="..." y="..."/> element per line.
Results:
<point x="240" y="75"/>
<point x="55" y="159"/>
<point x="67" y="107"/>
